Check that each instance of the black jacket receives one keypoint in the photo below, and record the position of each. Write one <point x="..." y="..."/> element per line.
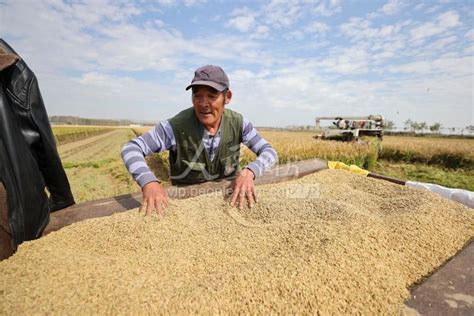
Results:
<point x="29" y="160"/>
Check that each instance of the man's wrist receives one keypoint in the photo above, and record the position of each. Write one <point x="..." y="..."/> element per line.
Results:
<point x="144" y="182"/>
<point x="251" y="172"/>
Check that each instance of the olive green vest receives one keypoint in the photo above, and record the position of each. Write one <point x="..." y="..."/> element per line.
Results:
<point x="190" y="162"/>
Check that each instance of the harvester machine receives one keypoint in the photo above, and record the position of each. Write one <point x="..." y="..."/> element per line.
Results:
<point x="350" y="128"/>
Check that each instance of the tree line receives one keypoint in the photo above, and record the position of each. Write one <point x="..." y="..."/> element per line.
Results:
<point x="422" y="127"/>
<point x="74" y="120"/>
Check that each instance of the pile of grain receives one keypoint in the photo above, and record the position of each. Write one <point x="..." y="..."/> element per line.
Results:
<point x="355" y="248"/>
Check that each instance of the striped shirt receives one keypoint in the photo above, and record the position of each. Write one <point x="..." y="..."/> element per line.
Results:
<point x="162" y="138"/>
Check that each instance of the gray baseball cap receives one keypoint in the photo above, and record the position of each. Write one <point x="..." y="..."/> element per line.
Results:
<point x="212" y="76"/>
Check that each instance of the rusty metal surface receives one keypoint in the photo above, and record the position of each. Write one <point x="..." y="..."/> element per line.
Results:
<point x="450" y="290"/>
<point x="386" y="178"/>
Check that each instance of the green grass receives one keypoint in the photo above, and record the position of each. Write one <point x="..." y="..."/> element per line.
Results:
<point x="451" y="178"/>
<point x="447" y="160"/>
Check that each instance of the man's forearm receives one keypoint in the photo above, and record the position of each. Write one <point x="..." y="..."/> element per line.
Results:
<point x="134" y="160"/>
<point x="265" y="160"/>
<point x="158" y="139"/>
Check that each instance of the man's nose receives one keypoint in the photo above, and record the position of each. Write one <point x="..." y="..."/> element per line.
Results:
<point x="203" y="101"/>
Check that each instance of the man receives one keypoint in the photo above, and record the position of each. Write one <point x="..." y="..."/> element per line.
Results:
<point x="204" y="144"/>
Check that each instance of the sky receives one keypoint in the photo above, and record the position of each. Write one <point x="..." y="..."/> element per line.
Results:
<point x="288" y="61"/>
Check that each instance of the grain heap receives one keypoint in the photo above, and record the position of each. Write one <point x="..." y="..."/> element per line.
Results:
<point x="356" y="248"/>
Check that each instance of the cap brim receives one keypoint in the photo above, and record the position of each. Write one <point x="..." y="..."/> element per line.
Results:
<point x="215" y="85"/>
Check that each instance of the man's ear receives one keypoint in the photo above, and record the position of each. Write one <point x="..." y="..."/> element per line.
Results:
<point x="228" y="96"/>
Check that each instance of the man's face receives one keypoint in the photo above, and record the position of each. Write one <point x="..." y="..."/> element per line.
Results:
<point x="209" y="104"/>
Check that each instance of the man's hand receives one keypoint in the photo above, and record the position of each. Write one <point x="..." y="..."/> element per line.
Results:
<point x="155" y="199"/>
<point x="244" y="188"/>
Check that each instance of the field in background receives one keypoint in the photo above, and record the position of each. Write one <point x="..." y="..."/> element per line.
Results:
<point x="445" y="161"/>
<point x="444" y="152"/>
<point x="66" y="133"/>
<point x="91" y="157"/>
<point x="94" y="167"/>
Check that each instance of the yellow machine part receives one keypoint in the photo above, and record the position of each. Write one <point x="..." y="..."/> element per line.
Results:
<point x="352" y="168"/>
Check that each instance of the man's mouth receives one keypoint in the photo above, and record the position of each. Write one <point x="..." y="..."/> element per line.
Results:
<point x="205" y="112"/>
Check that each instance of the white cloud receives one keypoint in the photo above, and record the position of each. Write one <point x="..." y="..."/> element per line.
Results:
<point x="298" y="35"/>
<point x="166" y="2"/>
<point x="243" y="23"/>
<point x="282" y="13"/>
<point x="63" y="35"/>
<point x="443" y="43"/>
<point x="286" y="13"/>
<point x="470" y="35"/>
<point x="351" y="60"/>
<point x="449" y="19"/>
<point x="392" y="7"/>
<point x="433" y="9"/>
<point x="188" y="3"/>
<point x="260" y="32"/>
<point x="327" y="8"/>
<point x="110" y="83"/>
<point x="440" y="25"/>
<point x="158" y="23"/>
<point x="453" y="66"/>
<point x="469" y="50"/>
<point x="419" y="6"/>
<point x="317" y="27"/>
<point x="360" y="29"/>
<point x="426" y="30"/>
<point x="102" y="95"/>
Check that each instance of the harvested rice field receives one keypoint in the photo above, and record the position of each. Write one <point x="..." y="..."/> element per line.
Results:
<point x="94" y="167"/>
<point x="331" y="242"/>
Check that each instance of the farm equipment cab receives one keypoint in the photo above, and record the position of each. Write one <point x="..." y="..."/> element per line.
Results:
<point x="350" y="128"/>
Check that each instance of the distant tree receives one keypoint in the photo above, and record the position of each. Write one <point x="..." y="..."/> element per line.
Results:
<point x="435" y="128"/>
<point x="470" y="129"/>
<point x="423" y="126"/>
<point x="415" y="126"/>
<point x="408" y="124"/>
<point x="389" y="125"/>
<point x="452" y="129"/>
<point x="74" y="120"/>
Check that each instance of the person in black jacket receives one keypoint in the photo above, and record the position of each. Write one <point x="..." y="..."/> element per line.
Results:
<point x="29" y="161"/>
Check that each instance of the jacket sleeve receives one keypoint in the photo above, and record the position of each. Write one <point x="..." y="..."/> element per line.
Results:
<point x="47" y="154"/>
<point x="26" y="102"/>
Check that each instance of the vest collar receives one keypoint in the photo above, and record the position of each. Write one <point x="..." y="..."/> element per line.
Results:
<point x="207" y="135"/>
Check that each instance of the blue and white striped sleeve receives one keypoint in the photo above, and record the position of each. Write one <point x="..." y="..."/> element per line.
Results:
<point x="266" y="155"/>
<point x="158" y="139"/>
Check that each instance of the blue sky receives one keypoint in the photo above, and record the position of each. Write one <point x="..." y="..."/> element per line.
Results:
<point x="288" y="61"/>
